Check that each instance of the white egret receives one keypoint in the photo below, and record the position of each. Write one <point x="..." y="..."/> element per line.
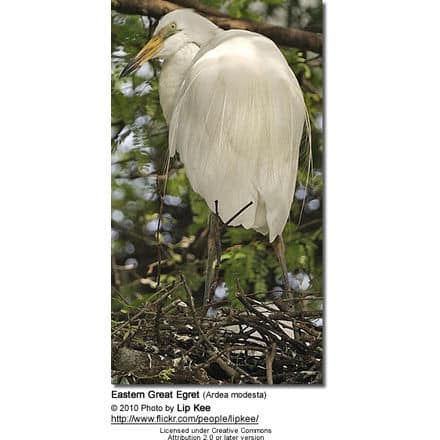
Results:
<point x="236" y="116"/>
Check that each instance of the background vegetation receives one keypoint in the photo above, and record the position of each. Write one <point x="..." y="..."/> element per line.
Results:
<point x="139" y="149"/>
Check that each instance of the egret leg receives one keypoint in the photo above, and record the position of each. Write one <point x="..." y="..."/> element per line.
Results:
<point x="280" y="253"/>
<point x="214" y="255"/>
<point x="215" y="229"/>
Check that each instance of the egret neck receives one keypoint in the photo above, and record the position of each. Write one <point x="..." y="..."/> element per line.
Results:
<point x="172" y="75"/>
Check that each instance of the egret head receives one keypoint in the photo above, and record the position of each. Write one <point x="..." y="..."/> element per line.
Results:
<point x="174" y="31"/>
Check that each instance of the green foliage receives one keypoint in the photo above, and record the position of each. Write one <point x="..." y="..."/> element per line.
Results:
<point x="199" y="210"/>
<point x="250" y="263"/>
<point x="139" y="146"/>
<point x="166" y="375"/>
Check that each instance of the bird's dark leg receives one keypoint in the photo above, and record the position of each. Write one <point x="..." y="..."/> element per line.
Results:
<point x="214" y="255"/>
<point x="279" y="251"/>
<point x="215" y="229"/>
<point x="278" y="245"/>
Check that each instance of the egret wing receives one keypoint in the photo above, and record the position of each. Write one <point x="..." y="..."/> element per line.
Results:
<point x="237" y="126"/>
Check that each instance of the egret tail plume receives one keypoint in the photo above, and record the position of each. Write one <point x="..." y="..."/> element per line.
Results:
<point x="308" y="143"/>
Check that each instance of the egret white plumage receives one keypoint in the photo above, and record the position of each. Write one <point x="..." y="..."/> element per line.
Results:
<point x="236" y="116"/>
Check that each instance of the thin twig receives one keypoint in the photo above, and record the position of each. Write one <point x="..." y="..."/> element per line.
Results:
<point x="238" y="213"/>
<point x="270" y="356"/>
<point x="222" y="362"/>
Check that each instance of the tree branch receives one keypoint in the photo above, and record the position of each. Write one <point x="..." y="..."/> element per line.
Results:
<point x="290" y="37"/>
